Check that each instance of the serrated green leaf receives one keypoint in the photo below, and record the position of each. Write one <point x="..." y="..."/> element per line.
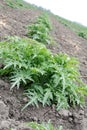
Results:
<point x="48" y="96"/>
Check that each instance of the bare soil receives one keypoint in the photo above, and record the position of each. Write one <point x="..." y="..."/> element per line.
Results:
<point x="14" y="22"/>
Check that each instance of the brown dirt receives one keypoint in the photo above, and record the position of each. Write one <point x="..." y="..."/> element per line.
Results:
<point x="13" y="22"/>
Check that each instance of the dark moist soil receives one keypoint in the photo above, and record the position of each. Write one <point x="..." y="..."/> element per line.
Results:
<point x="14" y="22"/>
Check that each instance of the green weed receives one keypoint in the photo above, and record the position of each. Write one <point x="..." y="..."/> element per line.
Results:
<point x="43" y="126"/>
<point x="48" y="79"/>
<point x="19" y="4"/>
<point x="12" y="129"/>
<point x="82" y="34"/>
<point x="39" y="31"/>
<point x="44" y="20"/>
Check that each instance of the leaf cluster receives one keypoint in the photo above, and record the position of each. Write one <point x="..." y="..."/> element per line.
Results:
<point x="19" y="4"/>
<point x="39" y="31"/>
<point x="43" y="126"/>
<point x="82" y="34"/>
<point x="48" y="79"/>
<point x="12" y="129"/>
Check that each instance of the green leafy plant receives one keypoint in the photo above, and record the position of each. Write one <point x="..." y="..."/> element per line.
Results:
<point x="43" y="126"/>
<point x="19" y="4"/>
<point x="82" y="34"/>
<point x="48" y="79"/>
<point x="44" y="20"/>
<point x="12" y="129"/>
<point x="39" y="31"/>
